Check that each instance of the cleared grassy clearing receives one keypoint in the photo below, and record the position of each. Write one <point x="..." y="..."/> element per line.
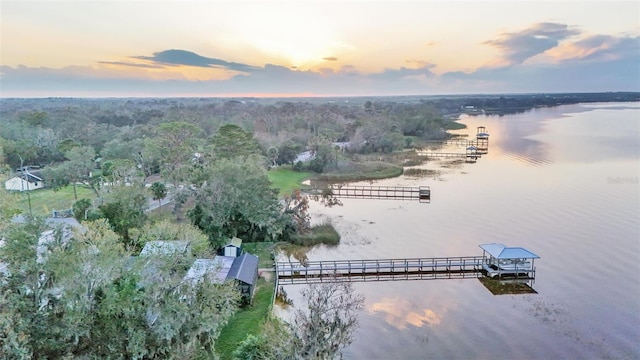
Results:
<point x="286" y="180"/>
<point x="43" y="201"/>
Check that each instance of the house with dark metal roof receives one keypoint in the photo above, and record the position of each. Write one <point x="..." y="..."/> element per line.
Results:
<point x="245" y="271"/>
<point x="242" y="269"/>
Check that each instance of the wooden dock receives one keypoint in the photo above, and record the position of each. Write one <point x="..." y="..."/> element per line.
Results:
<point x="422" y="193"/>
<point x="435" y="154"/>
<point x="455" y="142"/>
<point x="481" y="144"/>
<point x="379" y="270"/>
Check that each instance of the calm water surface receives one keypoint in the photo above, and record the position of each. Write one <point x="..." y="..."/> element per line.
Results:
<point x="561" y="182"/>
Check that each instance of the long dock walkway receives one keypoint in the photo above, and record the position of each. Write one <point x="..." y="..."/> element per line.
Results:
<point x="422" y="193"/>
<point x="435" y="154"/>
<point x="455" y="142"/>
<point x="379" y="269"/>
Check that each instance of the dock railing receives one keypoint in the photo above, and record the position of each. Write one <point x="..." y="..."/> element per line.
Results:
<point x="379" y="269"/>
<point x="436" y="154"/>
<point x="422" y="193"/>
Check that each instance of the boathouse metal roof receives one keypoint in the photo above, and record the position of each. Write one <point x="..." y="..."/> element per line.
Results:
<point x="244" y="268"/>
<point x="499" y="251"/>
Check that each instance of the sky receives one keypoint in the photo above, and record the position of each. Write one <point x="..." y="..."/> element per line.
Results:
<point x="316" y="48"/>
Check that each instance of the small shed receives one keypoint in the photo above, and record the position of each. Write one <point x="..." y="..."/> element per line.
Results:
<point x="245" y="270"/>
<point x="233" y="247"/>
<point x="161" y="247"/>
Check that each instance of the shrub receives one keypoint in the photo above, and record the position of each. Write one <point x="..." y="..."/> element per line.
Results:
<point x="81" y="208"/>
<point x="319" y="234"/>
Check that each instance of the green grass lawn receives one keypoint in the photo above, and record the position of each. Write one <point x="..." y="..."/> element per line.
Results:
<point x="246" y="321"/>
<point x="263" y="250"/>
<point x="454" y="125"/>
<point x="43" y="201"/>
<point x="287" y="180"/>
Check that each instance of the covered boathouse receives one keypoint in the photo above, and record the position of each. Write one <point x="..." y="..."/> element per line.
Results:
<point x="500" y="261"/>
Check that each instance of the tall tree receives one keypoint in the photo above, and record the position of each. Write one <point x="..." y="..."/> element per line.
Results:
<point x="84" y="297"/>
<point x="272" y="155"/>
<point x="232" y="141"/>
<point x="79" y="167"/>
<point x="125" y="209"/>
<point x="288" y="152"/>
<point x="275" y="341"/>
<point x="321" y="328"/>
<point x="8" y="201"/>
<point x="327" y="324"/>
<point x="4" y="166"/>
<point x="27" y="295"/>
<point x="297" y="205"/>
<point x="159" y="191"/>
<point x="237" y="200"/>
<point x="170" y="231"/>
<point x="174" y="148"/>
<point x="120" y="172"/>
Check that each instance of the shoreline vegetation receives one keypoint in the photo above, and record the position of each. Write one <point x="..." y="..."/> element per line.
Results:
<point x="324" y="234"/>
<point x="356" y="171"/>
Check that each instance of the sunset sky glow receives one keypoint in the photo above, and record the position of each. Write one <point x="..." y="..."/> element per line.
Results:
<point x="316" y="48"/>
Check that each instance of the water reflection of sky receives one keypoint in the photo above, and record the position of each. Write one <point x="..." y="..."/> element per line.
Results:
<point x="602" y="132"/>
<point x="400" y="312"/>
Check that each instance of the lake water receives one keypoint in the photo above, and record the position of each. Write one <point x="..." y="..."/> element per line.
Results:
<point x="561" y="182"/>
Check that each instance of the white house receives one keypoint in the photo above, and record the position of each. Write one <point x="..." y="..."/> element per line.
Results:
<point x="25" y="181"/>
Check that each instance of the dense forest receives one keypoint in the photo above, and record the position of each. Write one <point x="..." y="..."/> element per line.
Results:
<point x="39" y="131"/>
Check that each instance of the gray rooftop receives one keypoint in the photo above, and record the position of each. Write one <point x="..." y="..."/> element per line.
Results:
<point x="65" y="221"/>
<point x="164" y="248"/>
<point x="244" y="268"/>
<point x="215" y="270"/>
